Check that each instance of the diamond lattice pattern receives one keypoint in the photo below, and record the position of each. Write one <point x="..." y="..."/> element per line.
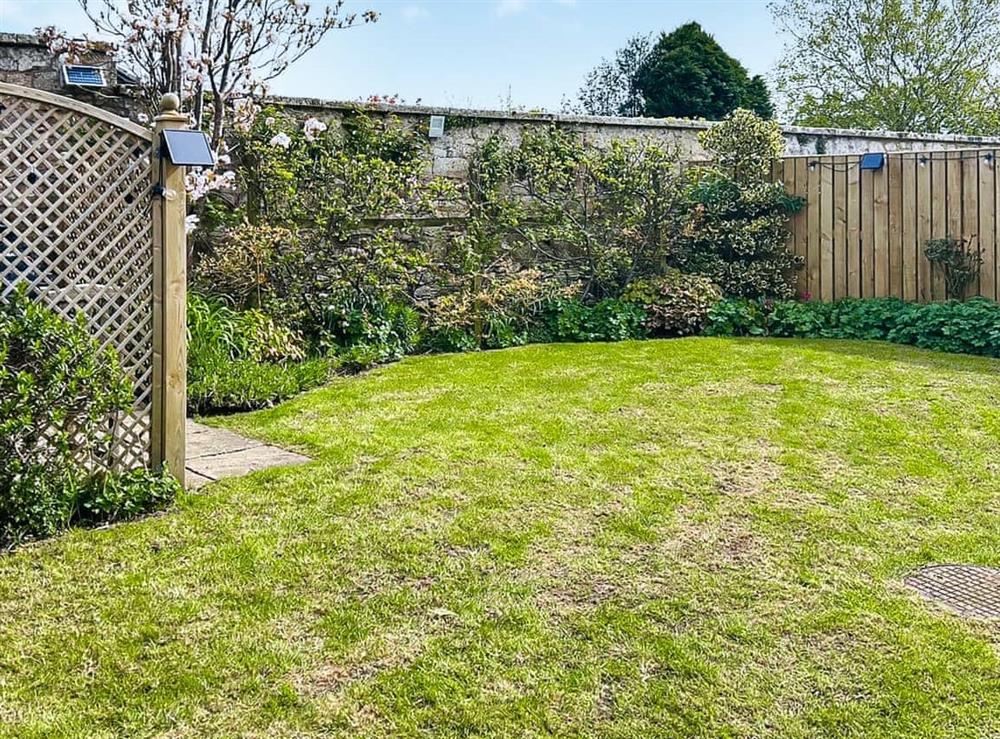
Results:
<point x="75" y="225"/>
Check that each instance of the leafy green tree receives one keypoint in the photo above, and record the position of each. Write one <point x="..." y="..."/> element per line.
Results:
<point x="904" y="65"/>
<point x="610" y="88"/>
<point x="688" y="75"/>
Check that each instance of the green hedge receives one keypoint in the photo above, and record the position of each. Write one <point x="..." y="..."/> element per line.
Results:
<point x="971" y="327"/>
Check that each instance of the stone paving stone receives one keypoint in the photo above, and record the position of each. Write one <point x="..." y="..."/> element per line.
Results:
<point x="245" y="461"/>
<point x="213" y="454"/>
<point x="204" y="441"/>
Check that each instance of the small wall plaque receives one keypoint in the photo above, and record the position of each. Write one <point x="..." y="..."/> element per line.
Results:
<point x="436" y="128"/>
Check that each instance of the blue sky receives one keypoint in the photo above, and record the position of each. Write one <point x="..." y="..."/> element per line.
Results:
<point x="476" y="53"/>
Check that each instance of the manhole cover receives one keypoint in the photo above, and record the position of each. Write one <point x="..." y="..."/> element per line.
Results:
<point x="969" y="590"/>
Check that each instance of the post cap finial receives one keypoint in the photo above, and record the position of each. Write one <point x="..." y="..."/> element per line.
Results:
<point x="170" y="103"/>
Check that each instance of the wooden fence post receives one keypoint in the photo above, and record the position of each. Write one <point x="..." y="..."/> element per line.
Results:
<point x="169" y="402"/>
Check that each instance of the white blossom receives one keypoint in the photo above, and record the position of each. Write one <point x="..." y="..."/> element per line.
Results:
<point x="191" y="223"/>
<point x="311" y="127"/>
<point x="281" y="139"/>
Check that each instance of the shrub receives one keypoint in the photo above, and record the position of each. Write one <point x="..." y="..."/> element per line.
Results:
<point x="675" y="304"/>
<point x="961" y="264"/>
<point x="61" y="397"/>
<point x="365" y="335"/>
<point x="971" y="327"/>
<point x="733" y="227"/>
<point x="242" y="263"/>
<point x="492" y="313"/>
<point x="242" y="360"/>
<point x="609" y="320"/>
<point x="121" y="496"/>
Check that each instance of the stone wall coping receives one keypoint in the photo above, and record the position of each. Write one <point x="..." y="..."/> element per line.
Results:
<point x="20" y="39"/>
<point x="573" y="119"/>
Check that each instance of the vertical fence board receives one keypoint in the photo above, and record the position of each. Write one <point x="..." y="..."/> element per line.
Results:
<point x="826" y="232"/>
<point x="987" y="225"/>
<point x="880" y="216"/>
<point x="799" y="222"/>
<point x="814" y="214"/>
<point x="908" y="228"/>
<point x="894" y="256"/>
<point x="939" y="214"/>
<point x="867" y="234"/>
<point x="970" y="205"/>
<point x="853" y="251"/>
<point x="840" y="228"/>
<point x="923" y="178"/>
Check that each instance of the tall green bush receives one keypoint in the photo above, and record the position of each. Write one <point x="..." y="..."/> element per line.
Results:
<point x="61" y="400"/>
<point x="733" y="225"/>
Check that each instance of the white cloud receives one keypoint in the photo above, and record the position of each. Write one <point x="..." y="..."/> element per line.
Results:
<point x="411" y="13"/>
<point x="509" y="7"/>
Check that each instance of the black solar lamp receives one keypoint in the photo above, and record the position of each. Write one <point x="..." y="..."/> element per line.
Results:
<point x="187" y="148"/>
<point x="872" y="161"/>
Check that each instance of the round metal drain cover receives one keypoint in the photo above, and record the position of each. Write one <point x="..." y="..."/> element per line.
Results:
<point x="968" y="590"/>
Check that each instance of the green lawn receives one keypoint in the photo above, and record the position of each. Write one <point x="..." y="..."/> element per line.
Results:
<point x="664" y="538"/>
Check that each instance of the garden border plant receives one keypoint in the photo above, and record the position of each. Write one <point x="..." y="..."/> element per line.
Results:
<point x="61" y="397"/>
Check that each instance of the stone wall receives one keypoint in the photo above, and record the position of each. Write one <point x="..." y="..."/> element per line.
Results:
<point x="465" y="129"/>
<point x="26" y="61"/>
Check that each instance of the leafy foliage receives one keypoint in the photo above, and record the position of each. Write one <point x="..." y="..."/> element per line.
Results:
<point x="602" y="216"/>
<point x="492" y="313"/>
<point x="734" y="224"/>
<point x="241" y="360"/>
<point x="960" y="263"/>
<point x="61" y="397"/>
<point x="902" y="66"/>
<point x="611" y="88"/>
<point x="675" y="304"/>
<point x="688" y="75"/>
<point x="610" y="319"/>
<point x="971" y="327"/>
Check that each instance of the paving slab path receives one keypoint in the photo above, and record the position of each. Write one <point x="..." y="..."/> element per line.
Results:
<point x="213" y="454"/>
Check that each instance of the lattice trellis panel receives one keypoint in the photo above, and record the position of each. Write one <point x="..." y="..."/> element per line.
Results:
<point x="75" y="225"/>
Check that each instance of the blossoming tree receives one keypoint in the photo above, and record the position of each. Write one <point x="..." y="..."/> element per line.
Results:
<point x="217" y="55"/>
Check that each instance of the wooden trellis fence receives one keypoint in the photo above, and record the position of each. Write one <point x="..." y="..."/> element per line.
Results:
<point x="79" y="226"/>
<point x="862" y="233"/>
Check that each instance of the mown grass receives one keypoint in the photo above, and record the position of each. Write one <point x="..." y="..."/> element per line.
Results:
<point x="692" y="537"/>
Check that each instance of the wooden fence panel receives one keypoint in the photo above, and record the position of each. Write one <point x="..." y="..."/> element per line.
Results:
<point x="862" y="233"/>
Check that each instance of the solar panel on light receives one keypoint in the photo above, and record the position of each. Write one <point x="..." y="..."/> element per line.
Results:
<point x="872" y="160"/>
<point x="188" y="148"/>
<point x="78" y="74"/>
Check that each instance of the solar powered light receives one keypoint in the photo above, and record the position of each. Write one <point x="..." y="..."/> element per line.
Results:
<point x="83" y="75"/>
<point x="872" y="161"/>
<point x="187" y="148"/>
